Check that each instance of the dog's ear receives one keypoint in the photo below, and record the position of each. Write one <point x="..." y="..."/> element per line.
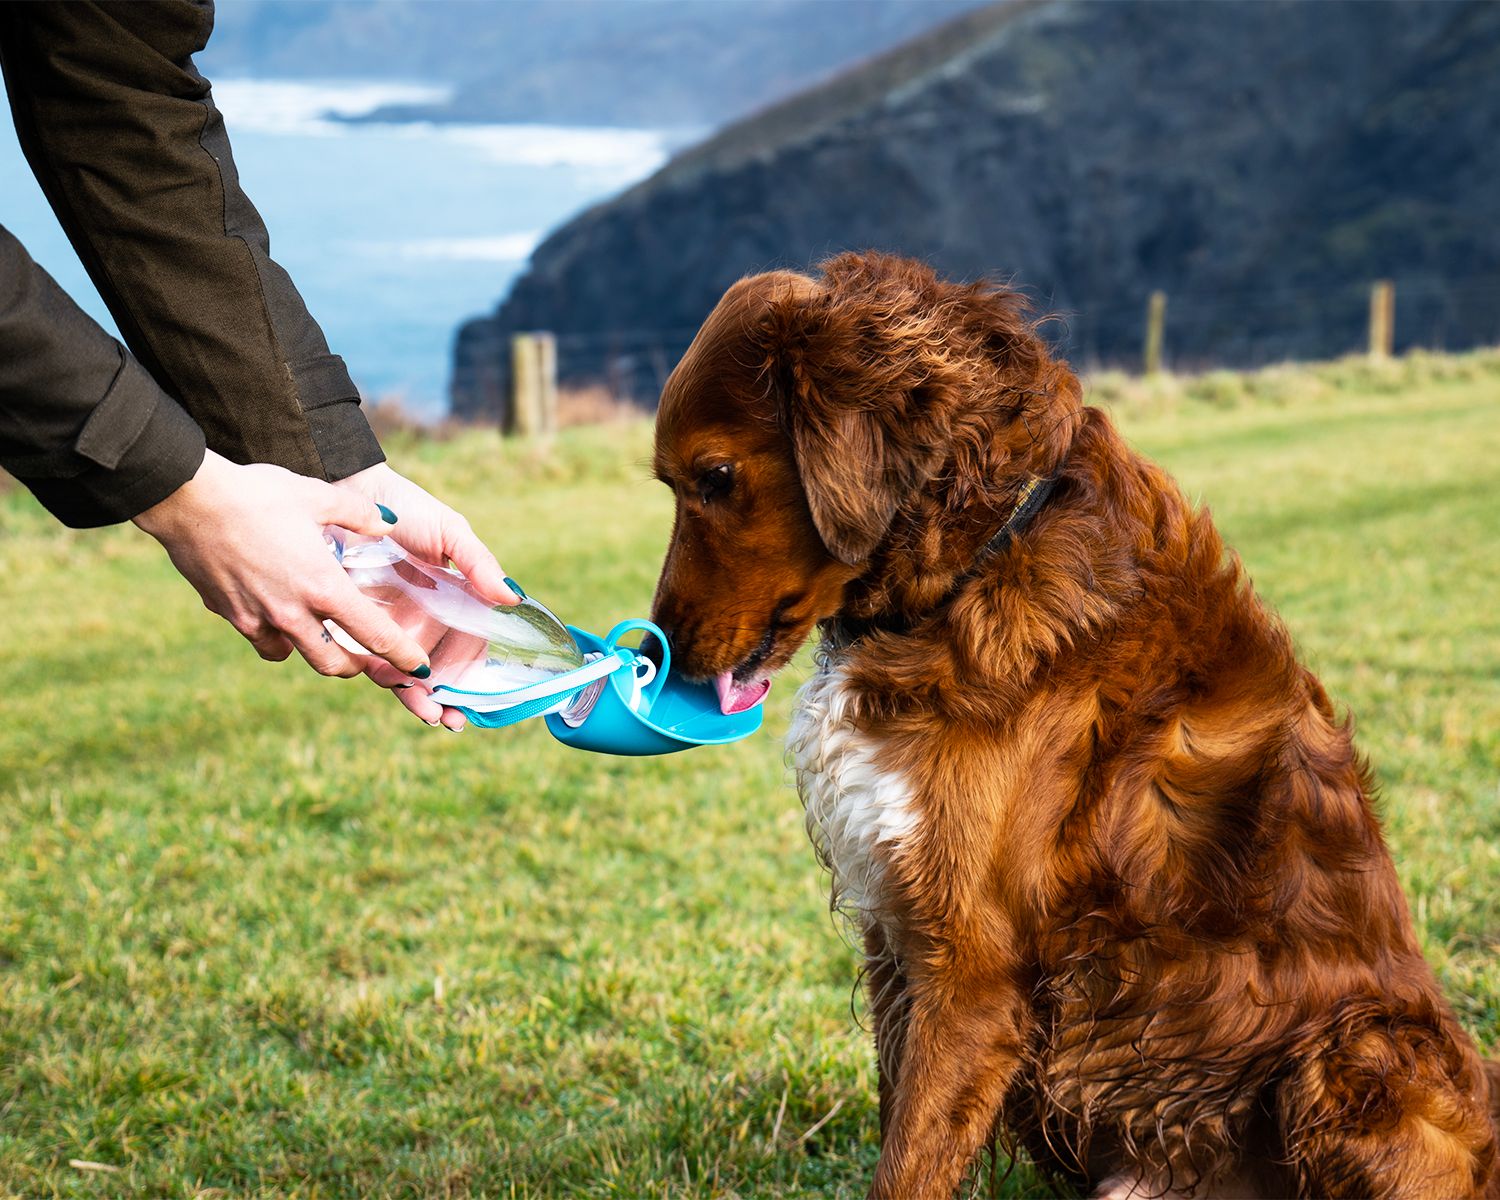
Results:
<point x="856" y="398"/>
<point x="855" y="469"/>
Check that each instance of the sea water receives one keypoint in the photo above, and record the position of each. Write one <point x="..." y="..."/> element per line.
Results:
<point x="394" y="233"/>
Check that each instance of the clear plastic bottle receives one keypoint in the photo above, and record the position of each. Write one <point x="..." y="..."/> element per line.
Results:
<point x="485" y="657"/>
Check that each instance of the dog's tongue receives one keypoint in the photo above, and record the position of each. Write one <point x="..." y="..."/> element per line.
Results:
<point x="737" y="697"/>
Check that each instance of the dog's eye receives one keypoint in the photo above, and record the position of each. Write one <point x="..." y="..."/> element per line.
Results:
<point x="715" y="482"/>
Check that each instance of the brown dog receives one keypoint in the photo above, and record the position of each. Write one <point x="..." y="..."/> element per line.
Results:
<point x="1122" y="892"/>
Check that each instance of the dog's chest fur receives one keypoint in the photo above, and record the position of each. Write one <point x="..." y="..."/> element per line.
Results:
<point x="859" y="814"/>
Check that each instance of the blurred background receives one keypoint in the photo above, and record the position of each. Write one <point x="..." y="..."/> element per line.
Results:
<point x="438" y="175"/>
<point x="409" y="155"/>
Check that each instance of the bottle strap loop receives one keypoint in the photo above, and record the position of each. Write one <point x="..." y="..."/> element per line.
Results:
<point x="492" y="710"/>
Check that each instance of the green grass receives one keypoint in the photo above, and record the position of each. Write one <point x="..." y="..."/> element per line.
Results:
<point x="228" y="889"/>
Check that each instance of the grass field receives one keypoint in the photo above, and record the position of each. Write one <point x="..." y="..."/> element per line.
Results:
<point x="262" y="934"/>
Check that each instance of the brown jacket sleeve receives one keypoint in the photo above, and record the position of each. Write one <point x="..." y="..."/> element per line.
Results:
<point x="123" y="135"/>
<point x="81" y="422"/>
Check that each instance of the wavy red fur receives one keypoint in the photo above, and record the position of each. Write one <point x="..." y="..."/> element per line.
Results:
<point x="1142" y="919"/>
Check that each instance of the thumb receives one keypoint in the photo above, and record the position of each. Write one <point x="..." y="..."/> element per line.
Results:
<point x="356" y="513"/>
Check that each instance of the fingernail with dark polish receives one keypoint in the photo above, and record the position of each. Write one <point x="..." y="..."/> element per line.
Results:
<point x="450" y="729"/>
<point x="400" y="687"/>
<point x="515" y="587"/>
<point x="386" y="514"/>
<point x="422" y="672"/>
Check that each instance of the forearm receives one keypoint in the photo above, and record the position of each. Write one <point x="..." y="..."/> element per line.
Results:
<point x="82" y="424"/>
<point x="123" y="135"/>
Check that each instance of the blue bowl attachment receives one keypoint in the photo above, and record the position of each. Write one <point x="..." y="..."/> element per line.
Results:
<point x="640" y="712"/>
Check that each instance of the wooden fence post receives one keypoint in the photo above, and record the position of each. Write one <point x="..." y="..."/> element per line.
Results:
<point x="1156" y="319"/>
<point x="533" y="358"/>
<point x="546" y="350"/>
<point x="1382" y="319"/>
<point x="523" y="386"/>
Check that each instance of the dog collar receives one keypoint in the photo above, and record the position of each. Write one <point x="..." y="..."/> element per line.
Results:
<point x="1034" y="493"/>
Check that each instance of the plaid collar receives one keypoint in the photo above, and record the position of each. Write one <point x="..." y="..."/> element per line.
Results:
<point x="1033" y="495"/>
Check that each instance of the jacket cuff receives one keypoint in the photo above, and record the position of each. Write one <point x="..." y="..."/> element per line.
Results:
<point x="137" y="447"/>
<point x="330" y="402"/>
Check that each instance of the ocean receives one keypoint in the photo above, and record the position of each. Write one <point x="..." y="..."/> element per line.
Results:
<point x="394" y="233"/>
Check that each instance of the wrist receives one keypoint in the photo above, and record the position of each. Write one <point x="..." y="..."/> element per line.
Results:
<point x="370" y="480"/>
<point x="188" y="501"/>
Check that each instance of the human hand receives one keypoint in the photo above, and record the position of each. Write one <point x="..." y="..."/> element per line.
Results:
<point x="250" y="541"/>
<point x="429" y="530"/>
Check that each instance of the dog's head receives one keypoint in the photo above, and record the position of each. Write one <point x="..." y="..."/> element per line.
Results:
<point x="835" y="441"/>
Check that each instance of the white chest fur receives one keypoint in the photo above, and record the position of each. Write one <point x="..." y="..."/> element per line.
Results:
<point x="858" y="813"/>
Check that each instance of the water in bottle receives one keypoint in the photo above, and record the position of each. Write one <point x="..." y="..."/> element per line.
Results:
<point x="485" y="658"/>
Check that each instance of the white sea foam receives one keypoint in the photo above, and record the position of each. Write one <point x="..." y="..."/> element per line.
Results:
<point x="498" y="248"/>
<point x="286" y="106"/>
<point x="633" y="152"/>
<point x="610" y="156"/>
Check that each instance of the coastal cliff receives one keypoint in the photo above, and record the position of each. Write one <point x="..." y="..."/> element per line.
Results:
<point x="1260" y="162"/>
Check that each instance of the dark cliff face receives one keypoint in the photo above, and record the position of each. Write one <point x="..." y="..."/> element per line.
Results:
<point x="1261" y="162"/>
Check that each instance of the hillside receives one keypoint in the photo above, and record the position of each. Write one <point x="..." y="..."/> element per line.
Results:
<point x="1259" y="161"/>
<point x="647" y="63"/>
